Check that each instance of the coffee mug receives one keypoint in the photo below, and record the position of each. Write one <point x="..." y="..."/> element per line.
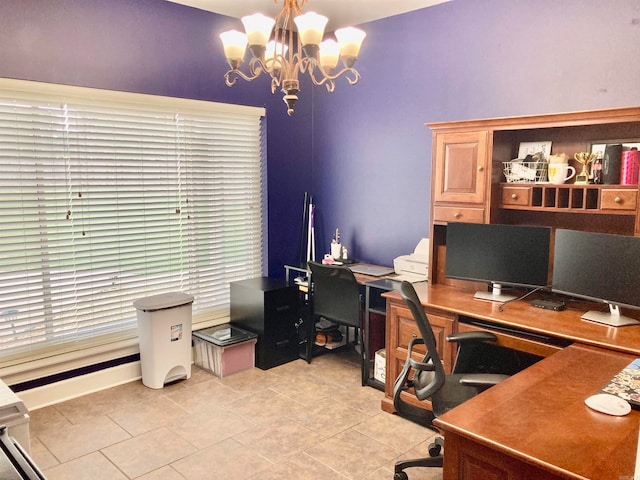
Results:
<point x="559" y="173"/>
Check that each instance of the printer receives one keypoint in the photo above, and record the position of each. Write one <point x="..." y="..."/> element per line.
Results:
<point x="413" y="267"/>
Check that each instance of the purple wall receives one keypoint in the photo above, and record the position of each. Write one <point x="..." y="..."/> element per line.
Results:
<point x="362" y="151"/>
<point x="460" y="60"/>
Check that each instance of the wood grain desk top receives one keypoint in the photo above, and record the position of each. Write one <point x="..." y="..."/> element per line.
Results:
<point x="566" y="325"/>
<point x="538" y="417"/>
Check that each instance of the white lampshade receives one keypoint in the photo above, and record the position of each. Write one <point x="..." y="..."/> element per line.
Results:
<point x="258" y="28"/>
<point x="329" y="54"/>
<point x="350" y="40"/>
<point x="274" y="49"/>
<point x="234" y="43"/>
<point x="311" y="27"/>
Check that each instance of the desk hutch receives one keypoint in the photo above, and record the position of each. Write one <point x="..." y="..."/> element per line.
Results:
<point x="468" y="185"/>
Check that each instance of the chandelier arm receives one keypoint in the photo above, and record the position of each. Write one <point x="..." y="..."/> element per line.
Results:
<point x="275" y="84"/>
<point x="329" y="80"/>
<point x="256" y="68"/>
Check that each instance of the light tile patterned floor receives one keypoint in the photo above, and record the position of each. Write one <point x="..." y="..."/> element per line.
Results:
<point x="297" y="421"/>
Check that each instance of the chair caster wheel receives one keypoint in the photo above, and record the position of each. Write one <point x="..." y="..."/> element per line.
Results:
<point x="436" y="447"/>
<point x="400" y="476"/>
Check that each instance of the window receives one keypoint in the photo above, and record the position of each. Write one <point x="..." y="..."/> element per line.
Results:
<point x="107" y="197"/>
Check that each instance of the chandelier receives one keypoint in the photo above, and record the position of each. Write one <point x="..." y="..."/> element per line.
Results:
<point x="276" y="51"/>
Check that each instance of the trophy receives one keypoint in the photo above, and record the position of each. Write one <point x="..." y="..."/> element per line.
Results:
<point x="584" y="158"/>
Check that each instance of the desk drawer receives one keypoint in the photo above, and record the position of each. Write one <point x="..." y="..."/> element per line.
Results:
<point x="618" y="199"/>
<point x="520" y="196"/>
<point x="440" y="324"/>
<point x="458" y="214"/>
<point x="514" y="341"/>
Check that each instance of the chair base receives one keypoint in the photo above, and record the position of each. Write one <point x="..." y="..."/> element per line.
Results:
<point x="430" y="462"/>
<point x="434" y="460"/>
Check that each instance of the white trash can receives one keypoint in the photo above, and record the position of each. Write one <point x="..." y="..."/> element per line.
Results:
<point x="164" y="328"/>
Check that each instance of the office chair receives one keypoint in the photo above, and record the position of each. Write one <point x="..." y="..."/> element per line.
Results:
<point x="336" y="297"/>
<point x="429" y="381"/>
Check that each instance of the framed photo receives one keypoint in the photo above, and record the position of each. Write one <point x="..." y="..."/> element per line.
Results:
<point x="599" y="147"/>
<point x="529" y="148"/>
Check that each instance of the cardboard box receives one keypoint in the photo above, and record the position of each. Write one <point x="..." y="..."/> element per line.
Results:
<point x="380" y="365"/>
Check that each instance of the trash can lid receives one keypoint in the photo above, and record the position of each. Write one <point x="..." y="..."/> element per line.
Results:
<point x="163" y="301"/>
<point x="223" y="335"/>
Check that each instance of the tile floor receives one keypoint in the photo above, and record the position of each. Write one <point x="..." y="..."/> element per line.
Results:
<point x="297" y="421"/>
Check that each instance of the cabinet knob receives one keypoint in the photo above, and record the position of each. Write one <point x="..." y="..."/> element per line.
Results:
<point x="617" y="200"/>
<point x="514" y="196"/>
<point x="480" y="168"/>
<point x="457" y="215"/>
<point x="414" y="335"/>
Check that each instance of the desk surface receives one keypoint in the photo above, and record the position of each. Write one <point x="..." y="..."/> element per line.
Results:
<point x="566" y="325"/>
<point x="361" y="278"/>
<point x="539" y="418"/>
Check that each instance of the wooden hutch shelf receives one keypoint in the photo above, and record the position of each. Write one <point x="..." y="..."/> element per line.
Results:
<point x="598" y="199"/>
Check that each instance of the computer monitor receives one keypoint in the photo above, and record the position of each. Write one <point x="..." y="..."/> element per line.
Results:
<point x="498" y="255"/>
<point x="601" y="267"/>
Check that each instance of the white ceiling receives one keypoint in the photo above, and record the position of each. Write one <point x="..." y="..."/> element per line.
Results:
<point x="340" y="12"/>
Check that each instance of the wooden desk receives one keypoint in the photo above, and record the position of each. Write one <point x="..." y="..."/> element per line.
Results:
<point x="369" y="283"/>
<point x="565" y="325"/>
<point x="535" y="426"/>
<point x="529" y="329"/>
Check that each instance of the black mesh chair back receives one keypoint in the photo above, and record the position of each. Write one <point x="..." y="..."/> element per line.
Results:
<point x="336" y="295"/>
<point x="429" y="383"/>
<point x="428" y="380"/>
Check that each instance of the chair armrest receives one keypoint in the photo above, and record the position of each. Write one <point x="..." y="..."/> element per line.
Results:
<point x="416" y="365"/>
<point x="472" y="337"/>
<point x="480" y="380"/>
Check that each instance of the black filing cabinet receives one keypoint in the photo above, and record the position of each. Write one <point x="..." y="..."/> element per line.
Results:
<point x="268" y="307"/>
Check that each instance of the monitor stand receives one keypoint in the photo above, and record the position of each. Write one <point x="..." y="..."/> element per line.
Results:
<point x="495" y="295"/>
<point x="612" y="317"/>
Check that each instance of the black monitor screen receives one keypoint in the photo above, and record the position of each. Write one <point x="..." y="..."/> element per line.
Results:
<point x="597" y="266"/>
<point x="500" y="254"/>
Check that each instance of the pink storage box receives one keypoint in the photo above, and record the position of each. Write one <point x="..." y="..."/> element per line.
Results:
<point x="224" y="349"/>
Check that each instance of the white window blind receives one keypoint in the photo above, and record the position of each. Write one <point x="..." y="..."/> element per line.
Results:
<point x="107" y="197"/>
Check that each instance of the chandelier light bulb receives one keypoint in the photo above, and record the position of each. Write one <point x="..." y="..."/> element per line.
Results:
<point x="234" y="44"/>
<point x="273" y="56"/>
<point x="329" y="55"/>
<point x="258" y="28"/>
<point x="311" y="27"/>
<point x="350" y="40"/>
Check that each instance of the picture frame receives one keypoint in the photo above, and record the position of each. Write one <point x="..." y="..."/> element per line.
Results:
<point x="598" y="147"/>
<point x="530" y="148"/>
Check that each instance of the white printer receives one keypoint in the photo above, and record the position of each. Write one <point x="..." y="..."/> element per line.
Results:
<point x="413" y="267"/>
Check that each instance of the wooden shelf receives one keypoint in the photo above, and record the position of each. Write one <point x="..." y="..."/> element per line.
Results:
<point x="468" y="182"/>
<point x="598" y="199"/>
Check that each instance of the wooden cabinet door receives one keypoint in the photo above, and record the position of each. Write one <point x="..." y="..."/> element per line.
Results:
<point x="460" y="168"/>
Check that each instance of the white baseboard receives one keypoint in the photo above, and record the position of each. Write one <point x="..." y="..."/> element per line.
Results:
<point x="57" y="392"/>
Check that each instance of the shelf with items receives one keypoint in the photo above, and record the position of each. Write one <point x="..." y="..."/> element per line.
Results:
<point x="469" y="183"/>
